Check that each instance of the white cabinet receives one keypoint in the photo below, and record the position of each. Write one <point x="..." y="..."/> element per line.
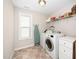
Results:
<point x="66" y="47"/>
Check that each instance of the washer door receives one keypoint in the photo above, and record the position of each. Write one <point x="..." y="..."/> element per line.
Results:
<point x="49" y="44"/>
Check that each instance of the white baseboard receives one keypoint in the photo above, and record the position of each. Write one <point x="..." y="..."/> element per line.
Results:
<point x="29" y="45"/>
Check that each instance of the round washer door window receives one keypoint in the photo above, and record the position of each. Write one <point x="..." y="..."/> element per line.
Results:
<point x="49" y="44"/>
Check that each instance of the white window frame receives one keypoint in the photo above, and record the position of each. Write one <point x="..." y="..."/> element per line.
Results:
<point x="30" y="28"/>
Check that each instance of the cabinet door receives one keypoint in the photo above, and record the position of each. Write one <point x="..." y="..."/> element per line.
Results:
<point x="61" y="54"/>
<point x="64" y="52"/>
<point x="66" y="43"/>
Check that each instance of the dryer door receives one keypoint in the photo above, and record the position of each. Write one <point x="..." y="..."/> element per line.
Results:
<point x="49" y="44"/>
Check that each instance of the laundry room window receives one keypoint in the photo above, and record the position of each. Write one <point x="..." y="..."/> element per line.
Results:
<point x="25" y="26"/>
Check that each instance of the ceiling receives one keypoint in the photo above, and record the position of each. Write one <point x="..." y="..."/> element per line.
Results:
<point x="51" y="6"/>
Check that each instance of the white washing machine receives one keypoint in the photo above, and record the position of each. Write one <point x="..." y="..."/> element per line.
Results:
<point x="52" y="44"/>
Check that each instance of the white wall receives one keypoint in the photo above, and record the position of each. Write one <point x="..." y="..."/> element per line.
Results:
<point x="67" y="26"/>
<point x="37" y="18"/>
<point x="8" y="33"/>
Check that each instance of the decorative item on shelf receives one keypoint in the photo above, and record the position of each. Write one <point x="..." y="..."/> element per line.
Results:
<point x="61" y="17"/>
<point x="53" y="18"/>
<point x="73" y="9"/>
<point x="65" y="15"/>
<point x="48" y="20"/>
<point x="57" y="18"/>
<point x="70" y="14"/>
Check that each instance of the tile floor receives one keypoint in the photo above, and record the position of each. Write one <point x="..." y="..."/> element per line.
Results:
<point x="35" y="52"/>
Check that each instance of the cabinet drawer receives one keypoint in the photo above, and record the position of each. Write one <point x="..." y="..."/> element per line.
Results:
<point x="63" y="56"/>
<point x="65" y="50"/>
<point x="66" y="43"/>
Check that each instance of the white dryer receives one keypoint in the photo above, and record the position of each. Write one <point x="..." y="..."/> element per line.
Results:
<point x="52" y="44"/>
